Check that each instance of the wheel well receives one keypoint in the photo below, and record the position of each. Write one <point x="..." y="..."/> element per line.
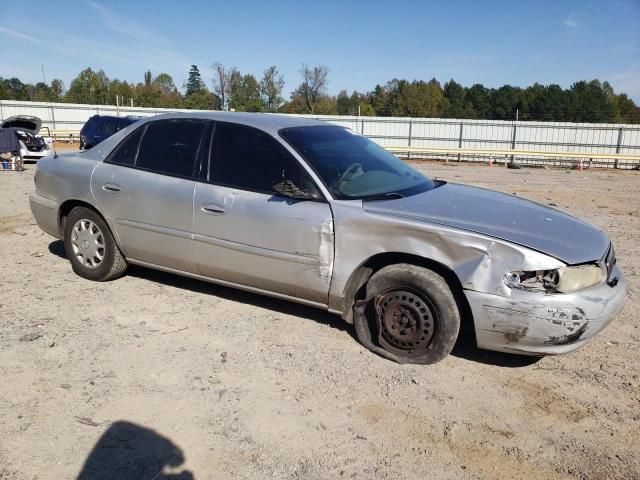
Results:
<point x="355" y="289"/>
<point x="65" y="210"/>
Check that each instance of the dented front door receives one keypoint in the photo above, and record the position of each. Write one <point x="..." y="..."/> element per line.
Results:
<point x="264" y="241"/>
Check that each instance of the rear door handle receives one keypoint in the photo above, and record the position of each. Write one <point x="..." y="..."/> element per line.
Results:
<point x="212" y="208"/>
<point x="111" y="187"/>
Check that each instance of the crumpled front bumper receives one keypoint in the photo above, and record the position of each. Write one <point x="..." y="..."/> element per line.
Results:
<point x="538" y="323"/>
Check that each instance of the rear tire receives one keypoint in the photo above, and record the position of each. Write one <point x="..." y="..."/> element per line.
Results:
<point x="90" y="246"/>
<point x="412" y="314"/>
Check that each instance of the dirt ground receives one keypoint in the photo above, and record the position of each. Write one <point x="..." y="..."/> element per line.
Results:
<point x="156" y="376"/>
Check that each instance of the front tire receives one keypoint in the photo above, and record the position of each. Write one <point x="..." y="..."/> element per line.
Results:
<point x="412" y="314"/>
<point x="90" y="246"/>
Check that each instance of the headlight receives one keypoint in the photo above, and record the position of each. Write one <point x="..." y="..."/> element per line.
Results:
<point x="563" y="280"/>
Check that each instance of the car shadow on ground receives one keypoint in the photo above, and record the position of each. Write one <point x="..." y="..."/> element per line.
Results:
<point x="127" y="450"/>
<point x="465" y="346"/>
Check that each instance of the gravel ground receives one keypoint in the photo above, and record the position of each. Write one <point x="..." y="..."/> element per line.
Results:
<point x="157" y="376"/>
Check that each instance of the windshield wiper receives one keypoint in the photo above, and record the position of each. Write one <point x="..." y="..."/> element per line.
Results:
<point x="383" y="196"/>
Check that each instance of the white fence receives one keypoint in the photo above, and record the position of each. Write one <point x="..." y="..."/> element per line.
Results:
<point x="552" y="137"/>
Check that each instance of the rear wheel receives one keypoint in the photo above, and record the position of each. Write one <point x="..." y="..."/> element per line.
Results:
<point x="90" y="247"/>
<point x="412" y="314"/>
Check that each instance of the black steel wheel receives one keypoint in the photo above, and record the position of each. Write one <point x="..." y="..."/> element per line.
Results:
<point x="412" y="317"/>
<point x="407" y="321"/>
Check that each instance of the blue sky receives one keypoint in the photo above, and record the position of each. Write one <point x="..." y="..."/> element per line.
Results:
<point x="362" y="42"/>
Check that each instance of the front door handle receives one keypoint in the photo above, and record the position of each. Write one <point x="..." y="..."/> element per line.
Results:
<point x="111" y="187"/>
<point x="212" y="208"/>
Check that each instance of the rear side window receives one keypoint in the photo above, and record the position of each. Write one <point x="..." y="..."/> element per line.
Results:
<point x="92" y="125"/>
<point x="125" y="153"/>
<point x="109" y="126"/>
<point x="171" y="146"/>
<point x="250" y="159"/>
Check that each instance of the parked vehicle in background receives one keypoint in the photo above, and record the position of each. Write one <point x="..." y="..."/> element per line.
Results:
<point x="33" y="146"/>
<point x="314" y="213"/>
<point x="100" y="127"/>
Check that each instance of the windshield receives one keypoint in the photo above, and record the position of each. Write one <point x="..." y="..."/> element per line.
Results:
<point x="352" y="166"/>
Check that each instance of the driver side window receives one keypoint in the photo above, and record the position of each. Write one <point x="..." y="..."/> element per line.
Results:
<point x="249" y="159"/>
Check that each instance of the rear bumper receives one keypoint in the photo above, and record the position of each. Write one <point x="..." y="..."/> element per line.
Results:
<point x="535" y="323"/>
<point x="45" y="212"/>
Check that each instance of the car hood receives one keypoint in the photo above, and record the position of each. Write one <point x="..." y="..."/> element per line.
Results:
<point x="502" y="216"/>
<point x="23" y="122"/>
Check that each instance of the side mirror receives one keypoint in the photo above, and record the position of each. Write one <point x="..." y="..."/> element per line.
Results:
<point x="287" y="188"/>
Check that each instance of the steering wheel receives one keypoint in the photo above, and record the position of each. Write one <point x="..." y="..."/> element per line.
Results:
<point x="349" y="172"/>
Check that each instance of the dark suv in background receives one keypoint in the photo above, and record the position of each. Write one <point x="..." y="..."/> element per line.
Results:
<point x="100" y="127"/>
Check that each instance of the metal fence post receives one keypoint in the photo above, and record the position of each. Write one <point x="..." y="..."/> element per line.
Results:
<point x="362" y="126"/>
<point x="513" y="140"/>
<point x="53" y="117"/>
<point x="460" y="138"/>
<point x="620" y="133"/>
<point x="410" y="128"/>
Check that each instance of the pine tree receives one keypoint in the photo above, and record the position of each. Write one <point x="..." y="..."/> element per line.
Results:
<point x="194" y="83"/>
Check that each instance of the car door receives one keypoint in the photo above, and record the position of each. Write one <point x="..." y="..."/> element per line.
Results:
<point x="145" y="188"/>
<point x="249" y="234"/>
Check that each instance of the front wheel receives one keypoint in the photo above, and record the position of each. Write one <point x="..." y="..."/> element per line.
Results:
<point x="411" y="315"/>
<point x="90" y="246"/>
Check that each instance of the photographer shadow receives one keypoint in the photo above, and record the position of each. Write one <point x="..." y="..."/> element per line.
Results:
<point x="130" y="451"/>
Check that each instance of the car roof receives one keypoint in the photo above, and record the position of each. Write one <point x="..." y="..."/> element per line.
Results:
<point x="270" y="122"/>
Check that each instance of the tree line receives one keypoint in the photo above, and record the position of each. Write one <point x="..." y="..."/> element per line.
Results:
<point x="584" y="101"/>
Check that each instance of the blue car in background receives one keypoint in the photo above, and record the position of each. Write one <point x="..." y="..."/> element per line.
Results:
<point x="100" y="127"/>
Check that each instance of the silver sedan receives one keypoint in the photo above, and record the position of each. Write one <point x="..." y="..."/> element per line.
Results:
<point x="313" y="213"/>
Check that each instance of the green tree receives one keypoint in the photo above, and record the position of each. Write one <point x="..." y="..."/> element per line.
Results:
<point x="245" y="94"/>
<point x="545" y="103"/>
<point x="15" y="89"/>
<point x="420" y="99"/>
<point x="505" y="102"/>
<point x="343" y="103"/>
<point x="325" y="105"/>
<point x="41" y="92"/>
<point x="121" y="89"/>
<point x="456" y="103"/>
<point x="169" y="95"/>
<point x="380" y="101"/>
<point x="194" y="82"/>
<point x="394" y="89"/>
<point x="271" y="87"/>
<point x="480" y="98"/>
<point x="57" y="90"/>
<point x="89" y="87"/>
<point x="590" y="102"/>
<point x="202" y="100"/>
<point x="625" y="110"/>
<point x="5" y="93"/>
<point x="164" y="82"/>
